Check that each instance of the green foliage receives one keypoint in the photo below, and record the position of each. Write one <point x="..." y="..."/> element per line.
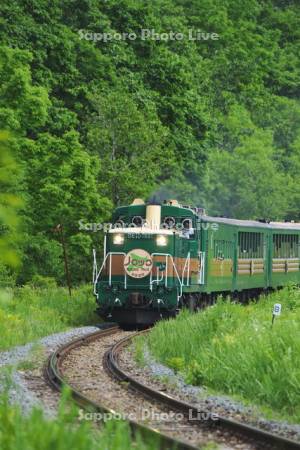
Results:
<point x="244" y="178"/>
<point x="131" y="144"/>
<point x="34" y="311"/>
<point x="23" y="106"/>
<point x="42" y="256"/>
<point x="138" y="349"/>
<point x="211" y="446"/>
<point x="94" y="124"/>
<point x="176" y="363"/>
<point x="233" y="349"/>
<point x="35" y="432"/>
<point x="9" y="202"/>
<point x="35" y="359"/>
<point x="194" y="373"/>
<point x="38" y="281"/>
<point x="7" y="276"/>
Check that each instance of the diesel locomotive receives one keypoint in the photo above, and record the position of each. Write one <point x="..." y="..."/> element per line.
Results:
<point x="159" y="258"/>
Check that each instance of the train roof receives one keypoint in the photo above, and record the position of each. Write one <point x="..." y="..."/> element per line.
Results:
<point x="173" y="207"/>
<point x="254" y="223"/>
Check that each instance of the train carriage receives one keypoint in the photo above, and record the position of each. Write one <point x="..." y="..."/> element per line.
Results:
<point x="158" y="258"/>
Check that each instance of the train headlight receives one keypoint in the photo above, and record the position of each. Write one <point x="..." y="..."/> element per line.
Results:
<point x="118" y="239"/>
<point x="161" y="241"/>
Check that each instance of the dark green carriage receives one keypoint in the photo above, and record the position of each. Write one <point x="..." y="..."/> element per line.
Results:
<point x="184" y="257"/>
<point x="250" y="255"/>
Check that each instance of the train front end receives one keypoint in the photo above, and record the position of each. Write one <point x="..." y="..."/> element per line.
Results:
<point x="138" y="282"/>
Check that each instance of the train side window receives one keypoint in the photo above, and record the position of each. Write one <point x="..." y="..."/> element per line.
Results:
<point x="251" y="245"/>
<point x="286" y="246"/>
<point x="188" y="231"/>
<point x="169" y="222"/>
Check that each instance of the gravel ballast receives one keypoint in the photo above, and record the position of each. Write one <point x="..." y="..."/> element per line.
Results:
<point x="27" y="388"/>
<point x="83" y="369"/>
<point x="163" y="378"/>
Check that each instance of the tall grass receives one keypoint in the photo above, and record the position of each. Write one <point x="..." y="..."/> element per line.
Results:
<point x="234" y="350"/>
<point x="26" y="314"/>
<point x="64" y="433"/>
<point x="29" y="313"/>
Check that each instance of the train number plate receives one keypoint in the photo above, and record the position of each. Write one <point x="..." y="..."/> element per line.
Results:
<point x="139" y="236"/>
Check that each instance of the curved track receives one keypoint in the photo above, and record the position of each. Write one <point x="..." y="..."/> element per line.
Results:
<point x="54" y="374"/>
<point x="265" y="438"/>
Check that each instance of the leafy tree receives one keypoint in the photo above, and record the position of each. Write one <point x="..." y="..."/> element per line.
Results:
<point x="246" y="183"/>
<point x="9" y="203"/>
<point x="93" y="124"/>
<point x="62" y="189"/>
<point x="131" y="145"/>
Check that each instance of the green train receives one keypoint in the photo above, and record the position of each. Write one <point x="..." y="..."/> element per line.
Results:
<point x="159" y="258"/>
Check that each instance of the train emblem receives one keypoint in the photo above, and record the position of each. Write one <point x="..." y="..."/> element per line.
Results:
<point x="138" y="263"/>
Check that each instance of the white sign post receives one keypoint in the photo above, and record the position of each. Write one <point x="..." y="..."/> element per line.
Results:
<point x="276" y="311"/>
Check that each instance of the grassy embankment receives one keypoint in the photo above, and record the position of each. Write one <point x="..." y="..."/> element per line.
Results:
<point x="36" y="433"/>
<point x="232" y="349"/>
<point x="29" y="313"/>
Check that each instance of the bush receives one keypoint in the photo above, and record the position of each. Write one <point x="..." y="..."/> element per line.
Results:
<point x="39" y="281"/>
<point x="176" y="363"/>
<point x="195" y="374"/>
<point x="7" y="278"/>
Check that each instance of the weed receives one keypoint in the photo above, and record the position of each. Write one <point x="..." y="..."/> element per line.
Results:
<point x="176" y="363"/>
<point x="138" y="350"/>
<point x="35" y="359"/>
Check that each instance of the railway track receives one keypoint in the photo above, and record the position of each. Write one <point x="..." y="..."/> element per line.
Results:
<point x="265" y="438"/>
<point x="54" y="374"/>
<point x="184" y="433"/>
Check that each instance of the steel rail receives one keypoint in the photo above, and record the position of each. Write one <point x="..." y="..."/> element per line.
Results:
<point x="274" y="441"/>
<point x="54" y="376"/>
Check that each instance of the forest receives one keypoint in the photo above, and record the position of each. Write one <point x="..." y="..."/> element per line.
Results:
<point x="88" y="124"/>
